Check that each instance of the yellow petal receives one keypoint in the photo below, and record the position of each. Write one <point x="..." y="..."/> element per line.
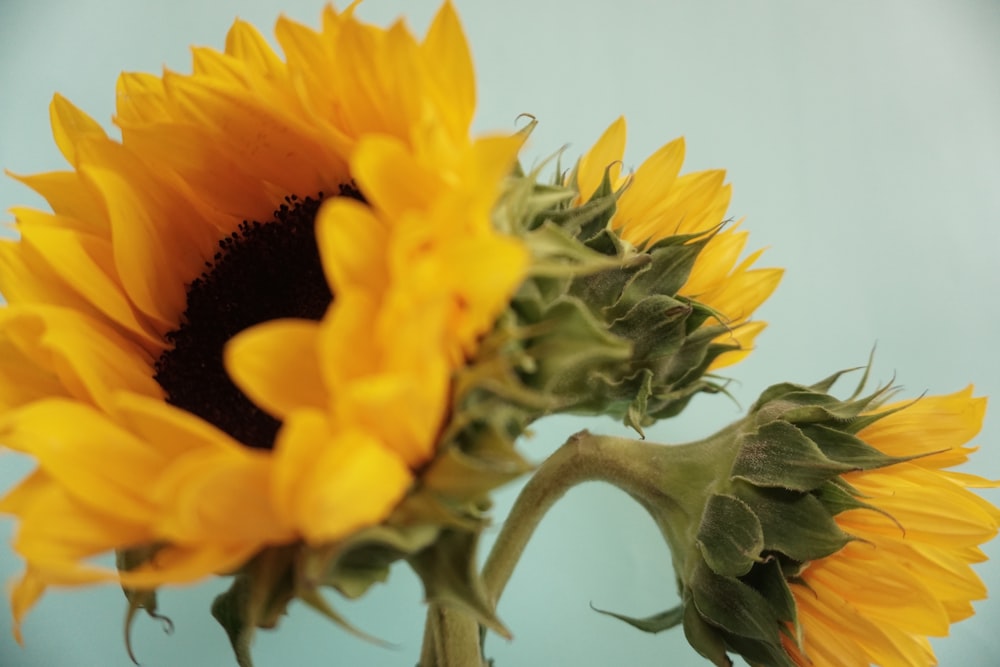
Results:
<point x="23" y="596"/>
<point x="245" y="43"/>
<point x="605" y="156"/>
<point x="445" y="44"/>
<point x="101" y="465"/>
<point x="646" y="196"/>
<point x="70" y="126"/>
<point x="160" y="241"/>
<point x="91" y="360"/>
<point x="943" y="422"/>
<point x="170" y="431"/>
<point x="86" y="264"/>
<point x="141" y="98"/>
<point x="277" y="365"/>
<point x="334" y="484"/>
<point x="744" y="336"/>
<point x="68" y="194"/>
<point x="212" y="495"/>
<point x="391" y="177"/>
<point x="352" y="244"/>
<point x="179" y="564"/>
<point x="21" y="379"/>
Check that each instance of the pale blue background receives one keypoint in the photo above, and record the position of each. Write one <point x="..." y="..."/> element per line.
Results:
<point x="862" y="139"/>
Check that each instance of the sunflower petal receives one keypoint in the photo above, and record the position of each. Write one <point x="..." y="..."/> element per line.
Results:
<point x="334" y="483"/>
<point x="605" y="156"/>
<point x="276" y="364"/>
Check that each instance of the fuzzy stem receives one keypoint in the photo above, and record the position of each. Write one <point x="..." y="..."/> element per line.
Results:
<point x="584" y="457"/>
<point x="451" y="639"/>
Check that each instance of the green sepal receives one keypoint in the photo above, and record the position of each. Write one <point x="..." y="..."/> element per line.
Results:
<point x="637" y="413"/>
<point x="760" y="653"/>
<point x="730" y="537"/>
<point x="665" y="274"/>
<point x="837" y="497"/>
<point x="583" y="222"/>
<point x="567" y="355"/>
<point x="795" y="524"/>
<point x="655" y="326"/>
<point x="665" y="620"/>
<point x="231" y="610"/>
<point x="314" y="599"/>
<point x="450" y="574"/>
<point x="775" y="392"/>
<point x="848" y="449"/>
<point x="355" y="564"/>
<point x="733" y="606"/>
<point x="779" y="455"/>
<point x="465" y="477"/>
<point x="704" y="637"/>
<point x="558" y="254"/>
<point x="868" y="419"/>
<point x="768" y="579"/>
<point x="139" y="598"/>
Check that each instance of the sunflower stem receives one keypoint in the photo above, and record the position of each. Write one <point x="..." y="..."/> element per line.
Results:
<point x="451" y="639"/>
<point x="583" y="457"/>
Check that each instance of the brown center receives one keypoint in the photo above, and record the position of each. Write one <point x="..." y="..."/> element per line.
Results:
<point x="263" y="271"/>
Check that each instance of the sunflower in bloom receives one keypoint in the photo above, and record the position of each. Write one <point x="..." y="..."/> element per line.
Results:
<point x="660" y="202"/>
<point x="908" y="574"/>
<point x="238" y="326"/>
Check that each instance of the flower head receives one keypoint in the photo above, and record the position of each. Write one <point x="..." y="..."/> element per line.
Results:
<point x="239" y="326"/>
<point x="907" y="575"/>
<point x="657" y="202"/>
<point x="821" y="532"/>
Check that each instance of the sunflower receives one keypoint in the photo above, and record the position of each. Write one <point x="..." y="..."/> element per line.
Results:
<point x="659" y="202"/>
<point x="908" y="573"/>
<point x="239" y="324"/>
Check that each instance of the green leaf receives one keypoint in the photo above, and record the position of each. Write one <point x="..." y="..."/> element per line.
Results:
<point x="664" y="620"/>
<point x="730" y="536"/>
<point x="779" y="455"/>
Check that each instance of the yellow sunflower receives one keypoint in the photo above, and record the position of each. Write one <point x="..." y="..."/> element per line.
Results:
<point x="908" y="575"/>
<point x="659" y="202"/>
<point x="239" y="324"/>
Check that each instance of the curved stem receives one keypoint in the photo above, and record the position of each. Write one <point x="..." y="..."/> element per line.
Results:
<point x="452" y="637"/>
<point x="584" y="457"/>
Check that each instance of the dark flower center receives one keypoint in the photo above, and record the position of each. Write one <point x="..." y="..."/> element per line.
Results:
<point x="263" y="271"/>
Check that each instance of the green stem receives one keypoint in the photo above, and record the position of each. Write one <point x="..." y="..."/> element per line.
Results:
<point x="451" y="639"/>
<point x="669" y="482"/>
<point x="584" y="457"/>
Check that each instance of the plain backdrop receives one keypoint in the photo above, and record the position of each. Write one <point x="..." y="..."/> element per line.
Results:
<point x="863" y="143"/>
